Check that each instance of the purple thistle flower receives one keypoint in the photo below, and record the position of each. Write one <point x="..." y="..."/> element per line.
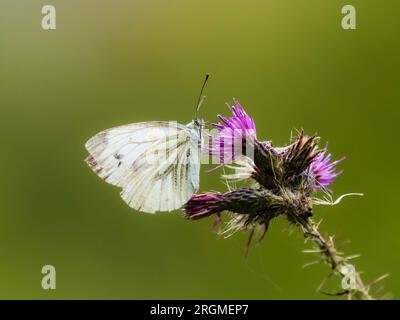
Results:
<point x="282" y="181"/>
<point x="323" y="170"/>
<point x="233" y="133"/>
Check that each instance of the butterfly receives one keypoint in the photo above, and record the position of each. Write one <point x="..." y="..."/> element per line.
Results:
<point x="156" y="163"/>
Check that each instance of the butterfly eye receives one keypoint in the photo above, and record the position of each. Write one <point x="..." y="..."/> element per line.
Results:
<point x="199" y="122"/>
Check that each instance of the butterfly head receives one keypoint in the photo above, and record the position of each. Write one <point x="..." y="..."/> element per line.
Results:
<point x="199" y="122"/>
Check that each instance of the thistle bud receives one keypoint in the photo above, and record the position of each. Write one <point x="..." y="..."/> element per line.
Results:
<point x="241" y="201"/>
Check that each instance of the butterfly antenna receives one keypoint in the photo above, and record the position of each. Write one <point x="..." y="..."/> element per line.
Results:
<point x="201" y="97"/>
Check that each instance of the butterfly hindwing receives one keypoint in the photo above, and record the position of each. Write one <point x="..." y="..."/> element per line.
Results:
<point x="156" y="163"/>
<point x="166" y="175"/>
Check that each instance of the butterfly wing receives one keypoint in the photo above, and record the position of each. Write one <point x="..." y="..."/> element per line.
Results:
<point x="156" y="164"/>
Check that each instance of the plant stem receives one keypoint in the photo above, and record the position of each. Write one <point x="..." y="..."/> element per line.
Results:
<point x="335" y="260"/>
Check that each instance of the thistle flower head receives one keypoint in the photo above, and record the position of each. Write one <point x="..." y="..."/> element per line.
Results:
<point x="233" y="133"/>
<point x="278" y="181"/>
<point x="323" y="170"/>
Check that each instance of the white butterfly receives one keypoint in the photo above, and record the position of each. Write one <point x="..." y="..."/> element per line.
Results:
<point x="156" y="163"/>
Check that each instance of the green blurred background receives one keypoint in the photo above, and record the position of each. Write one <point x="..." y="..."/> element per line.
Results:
<point x="116" y="62"/>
